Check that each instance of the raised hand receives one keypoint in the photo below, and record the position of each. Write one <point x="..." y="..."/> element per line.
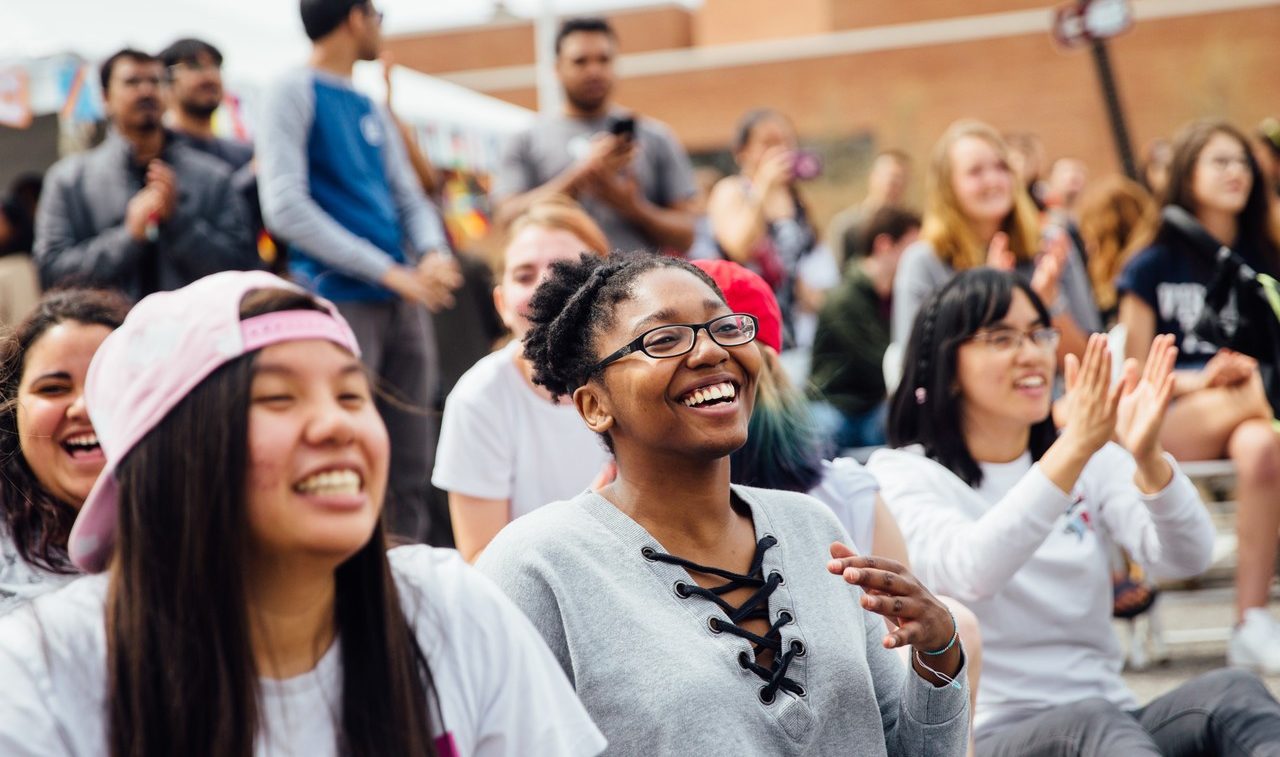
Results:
<point x="1144" y="400"/>
<point x="889" y="589"/>
<point x="999" y="256"/>
<point x="1047" y="277"/>
<point x="773" y="171"/>
<point x="1091" y="401"/>
<point x="162" y="179"/>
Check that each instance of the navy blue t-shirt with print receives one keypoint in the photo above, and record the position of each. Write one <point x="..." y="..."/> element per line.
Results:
<point x="1173" y="280"/>
<point x="1173" y="284"/>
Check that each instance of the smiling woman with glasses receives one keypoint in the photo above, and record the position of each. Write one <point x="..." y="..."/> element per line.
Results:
<point x="1016" y="521"/>
<point x="694" y="615"/>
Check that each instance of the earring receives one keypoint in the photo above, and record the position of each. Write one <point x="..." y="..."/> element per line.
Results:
<point x="921" y="395"/>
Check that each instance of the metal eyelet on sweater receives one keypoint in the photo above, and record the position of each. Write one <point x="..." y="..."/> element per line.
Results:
<point x="681" y="589"/>
<point x="801" y="692"/>
<point x="781" y="580"/>
<point x="648" y="553"/>
<point x="797" y="646"/>
<point x="714" y="625"/>
<point x="744" y="660"/>
<point x="785" y="616"/>
<point x="767" y="697"/>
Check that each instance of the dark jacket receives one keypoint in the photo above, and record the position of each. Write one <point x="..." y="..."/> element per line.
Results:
<point x="80" y="232"/>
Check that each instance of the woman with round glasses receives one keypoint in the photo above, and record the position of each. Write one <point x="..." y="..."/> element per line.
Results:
<point x="696" y="617"/>
<point x="1014" y="520"/>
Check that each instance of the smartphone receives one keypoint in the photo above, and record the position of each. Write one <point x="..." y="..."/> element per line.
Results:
<point x="623" y="127"/>
<point x="805" y="165"/>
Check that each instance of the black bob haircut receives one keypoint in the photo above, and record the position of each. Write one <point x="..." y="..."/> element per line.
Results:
<point x="592" y="25"/>
<point x="109" y="65"/>
<point x="926" y="408"/>
<point x="189" y="50"/>
<point x="321" y="17"/>
<point x="575" y="303"/>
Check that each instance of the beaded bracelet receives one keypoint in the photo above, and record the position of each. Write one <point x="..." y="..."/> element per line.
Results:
<point x="955" y="636"/>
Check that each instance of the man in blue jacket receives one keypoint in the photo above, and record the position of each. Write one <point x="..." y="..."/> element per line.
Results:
<point x="336" y="185"/>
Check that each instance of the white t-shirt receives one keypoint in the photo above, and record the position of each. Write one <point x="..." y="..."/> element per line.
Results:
<point x="20" y="581"/>
<point x="501" y="440"/>
<point x="850" y="491"/>
<point x="500" y="689"/>
<point x="1031" y="561"/>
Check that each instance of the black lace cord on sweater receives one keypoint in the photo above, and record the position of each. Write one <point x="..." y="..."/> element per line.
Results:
<point x="756" y="607"/>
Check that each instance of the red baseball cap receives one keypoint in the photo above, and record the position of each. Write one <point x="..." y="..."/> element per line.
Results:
<point x="750" y="294"/>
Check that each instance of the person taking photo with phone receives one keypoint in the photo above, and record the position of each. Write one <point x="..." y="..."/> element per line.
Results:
<point x="629" y="173"/>
<point x="760" y="219"/>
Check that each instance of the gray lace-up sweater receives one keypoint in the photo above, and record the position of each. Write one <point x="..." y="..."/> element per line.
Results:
<point x="659" y="678"/>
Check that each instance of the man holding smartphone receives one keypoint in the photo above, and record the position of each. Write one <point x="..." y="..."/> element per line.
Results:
<point x="629" y="173"/>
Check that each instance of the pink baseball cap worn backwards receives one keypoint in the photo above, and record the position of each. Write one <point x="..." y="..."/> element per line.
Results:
<point x="168" y="345"/>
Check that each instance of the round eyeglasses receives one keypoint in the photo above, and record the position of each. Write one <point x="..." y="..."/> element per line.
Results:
<point x="676" y="339"/>
<point x="1010" y="339"/>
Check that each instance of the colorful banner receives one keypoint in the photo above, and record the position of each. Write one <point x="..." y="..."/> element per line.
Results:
<point x="15" y="98"/>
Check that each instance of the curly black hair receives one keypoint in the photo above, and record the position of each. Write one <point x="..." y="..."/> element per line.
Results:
<point x="575" y="303"/>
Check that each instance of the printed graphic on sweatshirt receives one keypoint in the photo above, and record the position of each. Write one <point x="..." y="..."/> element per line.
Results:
<point x="1184" y="303"/>
<point x="1077" y="517"/>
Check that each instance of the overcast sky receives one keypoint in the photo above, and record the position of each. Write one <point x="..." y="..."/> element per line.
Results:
<point x="269" y="29"/>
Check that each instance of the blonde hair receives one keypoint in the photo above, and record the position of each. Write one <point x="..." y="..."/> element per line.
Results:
<point x="945" y="226"/>
<point x="1116" y="215"/>
<point x="563" y="214"/>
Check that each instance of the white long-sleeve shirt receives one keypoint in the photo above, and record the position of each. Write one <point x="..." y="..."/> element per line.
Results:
<point x="1031" y="562"/>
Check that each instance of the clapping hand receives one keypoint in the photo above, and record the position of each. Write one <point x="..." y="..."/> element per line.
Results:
<point x="1092" y="403"/>
<point x="999" y="256"/>
<point x="1048" y="273"/>
<point x="889" y="589"/>
<point x="1145" y="399"/>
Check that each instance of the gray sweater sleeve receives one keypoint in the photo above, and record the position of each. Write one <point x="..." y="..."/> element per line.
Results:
<point x="287" y="206"/>
<point x="918" y="717"/>
<point x="60" y="256"/>
<point x="420" y="219"/>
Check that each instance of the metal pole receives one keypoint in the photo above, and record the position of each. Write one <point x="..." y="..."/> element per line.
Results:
<point x="1115" y="112"/>
<point x="544" y="40"/>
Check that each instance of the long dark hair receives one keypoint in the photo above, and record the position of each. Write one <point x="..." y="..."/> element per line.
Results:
<point x="182" y="676"/>
<point x="927" y="407"/>
<point x="1257" y="233"/>
<point x="38" y="522"/>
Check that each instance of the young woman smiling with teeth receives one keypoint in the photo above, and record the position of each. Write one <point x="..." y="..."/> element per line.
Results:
<point x="1002" y="513"/>
<point x="694" y="616"/>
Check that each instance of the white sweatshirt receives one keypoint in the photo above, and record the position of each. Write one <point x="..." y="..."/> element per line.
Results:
<point x="1031" y="562"/>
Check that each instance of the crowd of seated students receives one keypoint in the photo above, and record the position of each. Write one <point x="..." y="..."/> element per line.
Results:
<point x="211" y="476"/>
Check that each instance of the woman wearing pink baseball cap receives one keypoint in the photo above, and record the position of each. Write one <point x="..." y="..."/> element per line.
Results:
<point x="246" y="602"/>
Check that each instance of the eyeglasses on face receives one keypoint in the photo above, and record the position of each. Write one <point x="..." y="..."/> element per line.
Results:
<point x="1008" y="339"/>
<point x="677" y="339"/>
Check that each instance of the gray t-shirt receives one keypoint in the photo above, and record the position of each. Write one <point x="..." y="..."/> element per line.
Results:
<point x="553" y="144"/>
<point x="658" y="678"/>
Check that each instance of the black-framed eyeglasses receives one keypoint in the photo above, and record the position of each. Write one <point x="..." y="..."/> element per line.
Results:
<point x="676" y="339"/>
<point x="1008" y="339"/>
